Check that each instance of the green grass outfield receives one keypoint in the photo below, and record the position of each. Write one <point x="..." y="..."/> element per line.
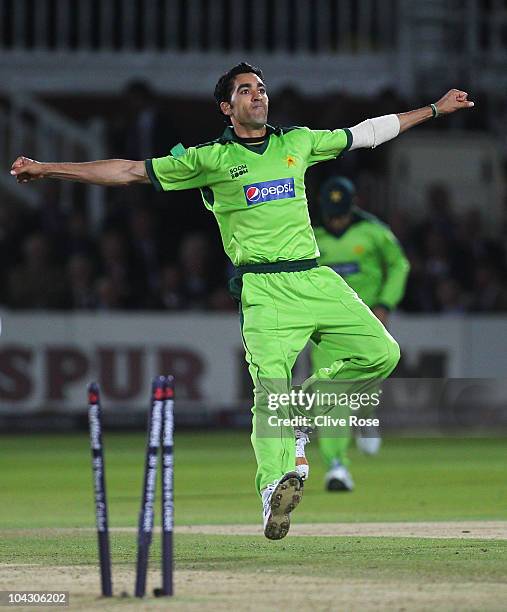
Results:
<point x="46" y="485"/>
<point x="46" y="481"/>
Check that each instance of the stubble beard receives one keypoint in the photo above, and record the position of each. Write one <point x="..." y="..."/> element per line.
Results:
<point x="252" y="120"/>
<point x="256" y="122"/>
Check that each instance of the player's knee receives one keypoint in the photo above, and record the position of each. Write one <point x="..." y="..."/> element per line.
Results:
<point x="393" y="355"/>
<point x="386" y="357"/>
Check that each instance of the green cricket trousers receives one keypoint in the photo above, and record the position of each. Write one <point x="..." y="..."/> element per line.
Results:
<point x="332" y="447"/>
<point x="283" y="306"/>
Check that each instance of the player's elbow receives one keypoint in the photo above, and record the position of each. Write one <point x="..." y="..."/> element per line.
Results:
<point x="373" y="132"/>
<point x="135" y="172"/>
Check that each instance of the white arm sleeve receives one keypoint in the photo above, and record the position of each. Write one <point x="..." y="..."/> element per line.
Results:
<point x="373" y="132"/>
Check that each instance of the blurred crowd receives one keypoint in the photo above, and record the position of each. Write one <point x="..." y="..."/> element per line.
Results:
<point x="53" y="261"/>
<point x="163" y="251"/>
<point x="124" y="267"/>
<point x="455" y="266"/>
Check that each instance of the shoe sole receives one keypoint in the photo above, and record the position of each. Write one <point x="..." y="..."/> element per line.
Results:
<point x="284" y="499"/>
<point x="337" y="485"/>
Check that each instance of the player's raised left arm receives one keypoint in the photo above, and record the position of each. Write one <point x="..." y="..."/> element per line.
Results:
<point x="375" y="131"/>
<point x="451" y="102"/>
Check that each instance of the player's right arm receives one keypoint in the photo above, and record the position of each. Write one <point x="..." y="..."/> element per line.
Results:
<point x="107" y="172"/>
<point x="181" y="169"/>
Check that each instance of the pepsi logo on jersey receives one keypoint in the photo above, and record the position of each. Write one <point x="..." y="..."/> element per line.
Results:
<point x="279" y="189"/>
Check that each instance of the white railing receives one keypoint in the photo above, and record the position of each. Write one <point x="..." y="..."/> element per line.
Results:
<point x="276" y="26"/>
<point x="31" y="128"/>
<point x="316" y="26"/>
<point x="96" y="45"/>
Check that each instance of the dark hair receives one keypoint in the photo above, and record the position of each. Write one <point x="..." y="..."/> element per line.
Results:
<point x="225" y="84"/>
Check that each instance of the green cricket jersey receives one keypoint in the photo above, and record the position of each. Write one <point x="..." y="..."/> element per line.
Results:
<point x="257" y="193"/>
<point x="369" y="257"/>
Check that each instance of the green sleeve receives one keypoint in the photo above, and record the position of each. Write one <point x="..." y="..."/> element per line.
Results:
<point x="396" y="269"/>
<point x="182" y="169"/>
<point x="328" y="144"/>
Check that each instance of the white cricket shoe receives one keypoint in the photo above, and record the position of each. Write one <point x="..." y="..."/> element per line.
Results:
<point x="278" y="501"/>
<point x="302" y="439"/>
<point x="368" y="440"/>
<point x="338" y="478"/>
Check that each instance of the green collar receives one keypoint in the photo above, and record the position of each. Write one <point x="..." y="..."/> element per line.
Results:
<point x="230" y="135"/>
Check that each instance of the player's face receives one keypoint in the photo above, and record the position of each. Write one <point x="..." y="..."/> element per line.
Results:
<point x="249" y="101"/>
<point x="337" y="223"/>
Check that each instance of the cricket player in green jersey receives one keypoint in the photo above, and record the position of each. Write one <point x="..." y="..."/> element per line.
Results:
<point x="367" y="255"/>
<point x="252" y="180"/>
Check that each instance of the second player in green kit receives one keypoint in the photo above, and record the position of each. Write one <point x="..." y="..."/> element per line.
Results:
<point x="252" y="180"/>
<point x="367" y="255"/>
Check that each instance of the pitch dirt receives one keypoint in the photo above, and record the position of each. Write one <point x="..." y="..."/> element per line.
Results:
<point x="261" y="590"/>
<point x="273" y="586"/>
<point x="484" y="530"/>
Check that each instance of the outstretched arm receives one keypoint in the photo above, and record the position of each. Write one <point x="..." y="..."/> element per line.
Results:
<point x="372" y="132"/>
<point x="108" y="172"/>
<point x="453" y="101"/>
